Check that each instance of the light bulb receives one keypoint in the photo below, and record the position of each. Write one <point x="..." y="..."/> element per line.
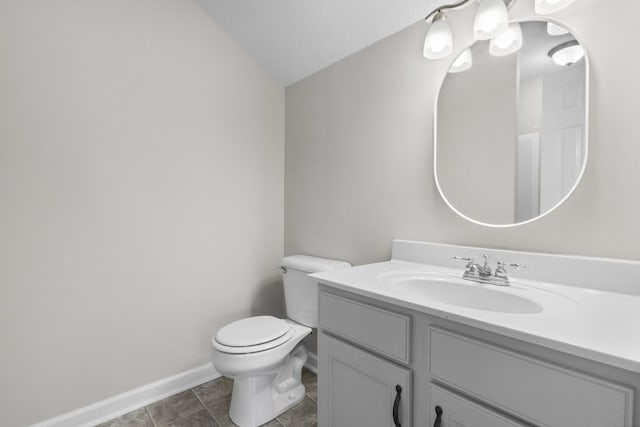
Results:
<point x="545" y="7"/>
<point x="556" y="30"/>
<point x="491" y="19"/>
<point x="438" y="42"/>
<point x="507" y="42"/>
<point x="463" y="62"/>
<point x="567" y="53"/>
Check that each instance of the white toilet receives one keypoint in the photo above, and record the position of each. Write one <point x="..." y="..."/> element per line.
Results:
<point x="264" y="354"/>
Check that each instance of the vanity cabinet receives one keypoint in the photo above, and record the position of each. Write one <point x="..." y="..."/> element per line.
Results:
<point x="475" y="378"/>
<point x="360" y="389"/>
<point x="361" y="349"/>
<point x="532" y="390"/>
<point x="456" y="411"/>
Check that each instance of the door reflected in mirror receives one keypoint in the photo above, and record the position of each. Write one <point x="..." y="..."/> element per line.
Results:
<point x="511" y="130"/>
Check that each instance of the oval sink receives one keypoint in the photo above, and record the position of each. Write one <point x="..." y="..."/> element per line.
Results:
<point x="475" y="296"/>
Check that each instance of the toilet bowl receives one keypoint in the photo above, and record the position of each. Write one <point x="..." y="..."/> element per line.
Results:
<point x="266" y="374"/>
<point x="264" y="354"/>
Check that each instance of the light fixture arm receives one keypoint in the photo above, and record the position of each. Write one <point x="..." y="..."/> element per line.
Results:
<point x="430" y="16"/>
<point x="441" y="9"/>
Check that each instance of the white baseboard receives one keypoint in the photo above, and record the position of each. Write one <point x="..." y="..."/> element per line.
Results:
<point x="121" y="404"/>
<point x="312" y="362"/>
<point x="115" y="406"/>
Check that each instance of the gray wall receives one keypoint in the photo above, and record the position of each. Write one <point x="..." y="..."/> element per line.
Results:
<point x="141" y="194"/>
<point x="359" y="151"/>
<point x="476" y="116"/>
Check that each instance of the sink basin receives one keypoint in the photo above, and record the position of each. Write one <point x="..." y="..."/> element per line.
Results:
<point x="431" y="287"/>
<point x="472" y="295"/>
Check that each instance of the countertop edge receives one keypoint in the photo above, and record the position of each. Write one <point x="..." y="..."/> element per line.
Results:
<point x="583" y="352"/>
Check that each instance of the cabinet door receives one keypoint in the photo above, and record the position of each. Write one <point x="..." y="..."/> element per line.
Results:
<point x="456" y="411"/>
<point x="358" y="389"/>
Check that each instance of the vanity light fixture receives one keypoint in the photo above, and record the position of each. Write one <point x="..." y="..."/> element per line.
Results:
<point x="545" y="7"/>
<point x="507" y="42"/>
<point x="566" y="54"/>
<point x="491" y="22"/>
<point x="463" y="62"/>
<point x="438" y="43"/>
<point x="556" y="30"/>
<point x="491" y="19"/>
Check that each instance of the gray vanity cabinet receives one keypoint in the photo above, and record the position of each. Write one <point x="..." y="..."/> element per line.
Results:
<point x="530" y="389"/>
<point x="360" y="389"/>
<point x="361" y="381"/>
<point x="461" y="412"/>
<point x="373" y="355"/>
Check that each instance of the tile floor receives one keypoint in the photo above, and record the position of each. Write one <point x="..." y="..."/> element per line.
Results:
<point x="207" y="405"/>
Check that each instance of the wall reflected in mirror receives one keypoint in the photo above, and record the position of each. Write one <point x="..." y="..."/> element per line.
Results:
<point x="511" y="130"/>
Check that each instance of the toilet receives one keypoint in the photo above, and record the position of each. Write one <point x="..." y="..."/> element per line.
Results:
<point x="264" y="354"/>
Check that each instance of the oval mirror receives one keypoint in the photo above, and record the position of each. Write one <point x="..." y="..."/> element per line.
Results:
<point x="511" y="125"/>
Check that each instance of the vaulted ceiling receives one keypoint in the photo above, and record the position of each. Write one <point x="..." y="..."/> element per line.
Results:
<point x="295" y="38"/>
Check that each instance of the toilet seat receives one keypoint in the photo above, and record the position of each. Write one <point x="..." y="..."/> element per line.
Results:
<point x="253" y="334"/>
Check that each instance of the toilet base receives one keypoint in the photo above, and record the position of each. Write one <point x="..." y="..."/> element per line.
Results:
<point x="256" y="400"/>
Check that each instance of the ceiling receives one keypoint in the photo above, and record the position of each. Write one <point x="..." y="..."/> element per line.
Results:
<point x="296" y="38"/>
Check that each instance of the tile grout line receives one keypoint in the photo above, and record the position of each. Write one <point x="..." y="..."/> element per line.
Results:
<point x="205" y="407"/>
<point x="311" y="399"/>
<point x="179" y="413"/>
<point x="215" y="420"/>
<point x="153" y="422"/>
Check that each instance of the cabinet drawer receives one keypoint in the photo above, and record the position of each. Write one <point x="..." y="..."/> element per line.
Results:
<point x="382" y="331"/>
<point x="528" y="388"/>
<point x="460" y="412"/>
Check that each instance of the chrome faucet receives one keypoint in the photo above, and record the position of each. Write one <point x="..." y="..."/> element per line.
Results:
<point x="483" y="273"/>
<point x="485" y="270"/>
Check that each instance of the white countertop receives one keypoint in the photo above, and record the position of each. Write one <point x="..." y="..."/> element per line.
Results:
<point x="594" y="324"/>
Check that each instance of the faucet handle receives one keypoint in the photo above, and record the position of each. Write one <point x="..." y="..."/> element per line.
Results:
<point x="470" y="260"/>
<point x="516" y="265"/>
<point x="501" y="271"/>
<point x="471" y="269"/>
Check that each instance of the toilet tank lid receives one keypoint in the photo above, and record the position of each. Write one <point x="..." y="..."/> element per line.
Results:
<point x="311" y="264"/>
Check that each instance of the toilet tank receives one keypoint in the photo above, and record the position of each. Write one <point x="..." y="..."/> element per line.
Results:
<point x="300" y="291"/>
